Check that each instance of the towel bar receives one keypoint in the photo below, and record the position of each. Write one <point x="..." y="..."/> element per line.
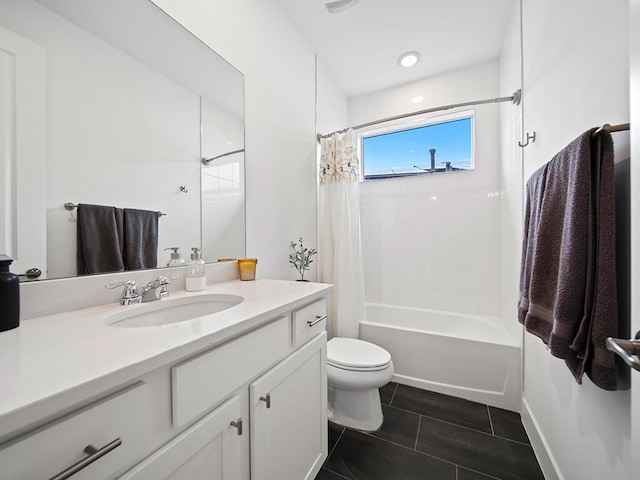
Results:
<point x="72" y="206"/>
<point x="628" y="350"/>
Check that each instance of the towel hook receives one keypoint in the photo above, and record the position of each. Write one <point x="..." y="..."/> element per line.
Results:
<point x="184" y="189"/>
<point x="531" y="137"/>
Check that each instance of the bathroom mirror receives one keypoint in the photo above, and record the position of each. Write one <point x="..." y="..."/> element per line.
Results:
<point x="114" y="103"/>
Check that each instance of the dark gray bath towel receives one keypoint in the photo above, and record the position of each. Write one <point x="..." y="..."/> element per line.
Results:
<point x="141" y="239"/>
<point x="567" y="279"/>
<point x="100" y="239"/>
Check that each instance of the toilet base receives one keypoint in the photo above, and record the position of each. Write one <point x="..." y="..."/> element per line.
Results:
<point x="361" y="410"/>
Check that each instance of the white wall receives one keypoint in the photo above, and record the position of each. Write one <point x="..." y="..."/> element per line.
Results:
<point x="332" y="103"/>
<point x="511" y="175"/>
<point x="575" y="77"/>
<point x="258" y="38"/>
<point x="434" y="241"/>
<point x="332" y="114"/>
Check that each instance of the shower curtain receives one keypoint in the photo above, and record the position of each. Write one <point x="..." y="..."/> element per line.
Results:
<point x="339" y="247"/>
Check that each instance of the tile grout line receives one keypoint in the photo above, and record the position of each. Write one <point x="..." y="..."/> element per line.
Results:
<point x="404" y="446"/>
<point x="393" y="395"/>
<point x="335" y="445"/>
<point x="461" y="426"/>
<point x="478" y="472"/>
<point x="335" y="473"/>
<point x="415" y="444"/>
<point x="446" y="421"/>
<point x="493" y="432"/>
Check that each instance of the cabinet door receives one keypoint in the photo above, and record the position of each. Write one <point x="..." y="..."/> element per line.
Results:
<point x="289" y="416"/>
<point x="209" y="450"/>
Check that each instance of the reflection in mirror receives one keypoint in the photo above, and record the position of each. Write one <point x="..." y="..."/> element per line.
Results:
<point x="112" y="116"/>
<point x="223" y="232"/>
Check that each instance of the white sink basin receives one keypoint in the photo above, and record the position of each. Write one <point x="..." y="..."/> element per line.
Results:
<point x="165" y="311"/>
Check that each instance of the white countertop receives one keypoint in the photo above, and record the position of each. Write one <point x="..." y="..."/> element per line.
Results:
<point x="48" y="361"/>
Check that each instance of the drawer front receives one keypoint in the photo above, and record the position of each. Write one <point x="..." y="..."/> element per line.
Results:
<point x="54" y="448"/>
<point x="202" y="382"/>
<point x="307" y="322"/>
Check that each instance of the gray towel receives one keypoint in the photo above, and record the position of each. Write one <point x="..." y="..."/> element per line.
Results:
<point x="100" y="239"/>
<point x="141" y="239"/>
<point x="567" y="280"/>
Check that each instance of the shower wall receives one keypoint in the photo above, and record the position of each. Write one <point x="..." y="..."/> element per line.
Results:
<point x="433" y="241"/>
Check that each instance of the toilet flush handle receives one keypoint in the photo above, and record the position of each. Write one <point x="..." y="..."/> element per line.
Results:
<point x="318" y="319"/>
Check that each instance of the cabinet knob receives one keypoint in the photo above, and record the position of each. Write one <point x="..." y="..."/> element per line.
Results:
<point x="238" y="425"/>
<point x="267" y="399"/>
<point x="93" y="455"/>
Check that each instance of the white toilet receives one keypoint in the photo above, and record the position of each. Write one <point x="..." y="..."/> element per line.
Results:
<point x="355" y="371"/>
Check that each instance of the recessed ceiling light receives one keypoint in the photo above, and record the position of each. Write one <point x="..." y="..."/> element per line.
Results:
<point x="408" y="59"/>
<point x="337" y="6"/>
<point x="417" y="99"/>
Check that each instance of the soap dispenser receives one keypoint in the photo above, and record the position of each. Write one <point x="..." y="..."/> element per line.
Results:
<point x="9" y="296"/>
<point x="196" y="279"/>
<point x="175" y="261"/>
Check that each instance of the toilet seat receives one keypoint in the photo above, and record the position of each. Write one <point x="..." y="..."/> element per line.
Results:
<point x="356" y="355"/>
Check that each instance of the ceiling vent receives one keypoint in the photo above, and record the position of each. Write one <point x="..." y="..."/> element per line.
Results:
<point x="337" y="6"/>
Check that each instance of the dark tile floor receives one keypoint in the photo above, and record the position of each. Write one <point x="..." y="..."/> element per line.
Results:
<point x="427" y="435"/>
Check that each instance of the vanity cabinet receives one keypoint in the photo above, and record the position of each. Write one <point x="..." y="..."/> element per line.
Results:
<point x="289" y="416"/>
<point x="249" y="407"/>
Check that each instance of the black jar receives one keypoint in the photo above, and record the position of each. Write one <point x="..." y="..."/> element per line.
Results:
<point x="9" y="296"/>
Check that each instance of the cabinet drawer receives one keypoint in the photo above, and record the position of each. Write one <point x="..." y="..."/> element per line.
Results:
<point x="307" y="322"/>
<point x="54" y="448"/>
<point x="200" y="383"/>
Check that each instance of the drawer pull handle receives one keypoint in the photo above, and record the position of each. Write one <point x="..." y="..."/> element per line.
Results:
<point x="238" y="425"/>
<point x="318" y="319"/>
<point x="267" y="400"/>
<point x="94" y="454"/>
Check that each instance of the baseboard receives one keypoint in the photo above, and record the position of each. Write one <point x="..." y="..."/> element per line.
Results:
<point x="541" y="449"/>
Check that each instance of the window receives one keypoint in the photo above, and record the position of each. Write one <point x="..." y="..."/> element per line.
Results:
<point x="435" y="145"/>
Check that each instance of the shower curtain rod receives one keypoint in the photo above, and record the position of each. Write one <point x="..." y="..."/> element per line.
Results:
<point x="515" y="99"/>
<point x="207" y="161"/>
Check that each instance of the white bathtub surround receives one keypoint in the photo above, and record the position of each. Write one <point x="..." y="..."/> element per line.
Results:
<point x="433" y="241"/>
<point x="468" y="356"/>
<point x="339" y="247"/>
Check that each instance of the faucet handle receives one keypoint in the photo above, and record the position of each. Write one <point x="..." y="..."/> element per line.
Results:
<point x="166" y="280"/>
<point x="129" y="293"/>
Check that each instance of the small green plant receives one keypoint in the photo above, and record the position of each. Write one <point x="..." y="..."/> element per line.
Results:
<point x="300" y="259"/>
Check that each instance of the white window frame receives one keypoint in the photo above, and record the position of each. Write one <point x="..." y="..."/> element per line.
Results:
<point x="410" y="123"/>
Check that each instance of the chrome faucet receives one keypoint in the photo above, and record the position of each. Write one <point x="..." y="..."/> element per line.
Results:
<point x="154" y="290"/>
<point x="130" y="292"/>
<point x="157" y="289"/>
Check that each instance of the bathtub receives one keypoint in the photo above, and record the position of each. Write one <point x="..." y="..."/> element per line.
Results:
<point x="468" y="356"/>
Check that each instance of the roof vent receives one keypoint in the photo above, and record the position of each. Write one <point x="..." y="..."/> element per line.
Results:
<point x="337" y="6"/>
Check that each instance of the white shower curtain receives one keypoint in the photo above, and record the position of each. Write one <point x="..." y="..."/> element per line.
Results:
<point x="339" y="247"/>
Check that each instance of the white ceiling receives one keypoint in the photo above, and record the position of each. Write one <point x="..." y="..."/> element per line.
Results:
<point x="360" y="47"/>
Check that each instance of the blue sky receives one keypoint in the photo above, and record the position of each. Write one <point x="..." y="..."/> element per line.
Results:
<point x="403" y="150"/>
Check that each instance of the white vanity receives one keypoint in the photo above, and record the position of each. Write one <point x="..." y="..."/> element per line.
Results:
<point x="240" y="394"/>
